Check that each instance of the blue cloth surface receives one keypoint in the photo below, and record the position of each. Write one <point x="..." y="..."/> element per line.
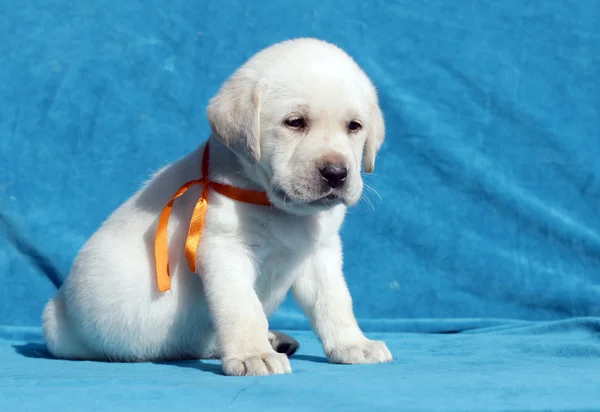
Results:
<point x="487" y="214"/>
<point x="522" y="367"/>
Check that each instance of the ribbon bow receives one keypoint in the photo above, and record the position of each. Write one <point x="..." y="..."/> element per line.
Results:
<point x="161" y="252"/>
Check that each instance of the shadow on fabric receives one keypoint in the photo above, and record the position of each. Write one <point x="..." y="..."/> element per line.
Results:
<point x="34" y="350"/>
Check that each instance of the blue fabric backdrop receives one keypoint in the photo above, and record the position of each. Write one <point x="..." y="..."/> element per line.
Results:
<point x="489" y="179"/>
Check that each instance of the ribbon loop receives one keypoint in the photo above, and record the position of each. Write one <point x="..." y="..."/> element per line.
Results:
<point x="161" y="248"/>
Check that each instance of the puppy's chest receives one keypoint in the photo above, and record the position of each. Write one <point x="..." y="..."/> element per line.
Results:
<point x="278" y="263"/>
<point x="293" y="234"/>
<point x="278" y="242"/>
<point x="282" y="244"/>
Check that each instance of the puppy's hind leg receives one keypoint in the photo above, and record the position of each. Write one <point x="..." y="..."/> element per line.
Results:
<point x="283" y="343"/>
<point x="60" y="339"/>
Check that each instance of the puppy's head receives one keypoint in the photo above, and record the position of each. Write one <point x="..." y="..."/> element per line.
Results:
<point x="303" y="117"/>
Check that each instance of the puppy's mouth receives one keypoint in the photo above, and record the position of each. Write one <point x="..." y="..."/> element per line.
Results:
<point x="327" y="200"/>
<point x="330" y="198"/>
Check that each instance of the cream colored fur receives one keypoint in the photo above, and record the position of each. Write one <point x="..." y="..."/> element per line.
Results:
<point x="250" y="256"/>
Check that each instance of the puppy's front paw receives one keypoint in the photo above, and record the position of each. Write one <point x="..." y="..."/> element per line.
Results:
<point x="261" y="364"/>
<point x="368" y="351"/>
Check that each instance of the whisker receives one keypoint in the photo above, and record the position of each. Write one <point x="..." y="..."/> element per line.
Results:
<point x="366" y="199"/>
<point x="372" y="189"/>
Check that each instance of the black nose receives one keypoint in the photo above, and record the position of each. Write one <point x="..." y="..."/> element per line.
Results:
<point x="334" y="175"/>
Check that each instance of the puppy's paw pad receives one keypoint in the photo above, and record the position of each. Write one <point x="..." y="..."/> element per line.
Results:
<point x="368" y="351"/>
<point x="262" y="364"/>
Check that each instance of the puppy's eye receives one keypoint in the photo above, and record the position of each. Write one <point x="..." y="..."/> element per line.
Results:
<point x="354" y="126"/>
<point x="296" y="123"/>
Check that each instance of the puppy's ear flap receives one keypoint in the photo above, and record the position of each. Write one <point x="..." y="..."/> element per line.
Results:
<point x="234" y="116"/>
<point x="374" y="138"/>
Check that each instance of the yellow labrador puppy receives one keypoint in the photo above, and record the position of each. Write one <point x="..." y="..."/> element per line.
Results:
<point x="295" y="122"/>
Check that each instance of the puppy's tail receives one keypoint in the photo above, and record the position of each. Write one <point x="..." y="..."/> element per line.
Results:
<point x="60" y="339"/>
<point x="283" y="343"/>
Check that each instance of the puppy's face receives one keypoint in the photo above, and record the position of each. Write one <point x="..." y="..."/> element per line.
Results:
<point x="313" y="132"/>
<point x="303" y="116"/>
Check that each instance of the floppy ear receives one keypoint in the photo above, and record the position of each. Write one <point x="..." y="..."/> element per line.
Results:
<point x="374" y="138"/>
<point x="234" y="116"/>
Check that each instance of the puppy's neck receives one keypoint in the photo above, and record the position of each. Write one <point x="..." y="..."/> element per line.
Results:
<point x="227" y="168"/>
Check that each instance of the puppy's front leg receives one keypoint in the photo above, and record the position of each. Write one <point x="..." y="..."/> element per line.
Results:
<point x="323" y="295"/>
<point x="239" y="318"/>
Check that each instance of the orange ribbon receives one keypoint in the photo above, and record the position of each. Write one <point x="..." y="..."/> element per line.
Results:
<point x="161" y="251"/>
